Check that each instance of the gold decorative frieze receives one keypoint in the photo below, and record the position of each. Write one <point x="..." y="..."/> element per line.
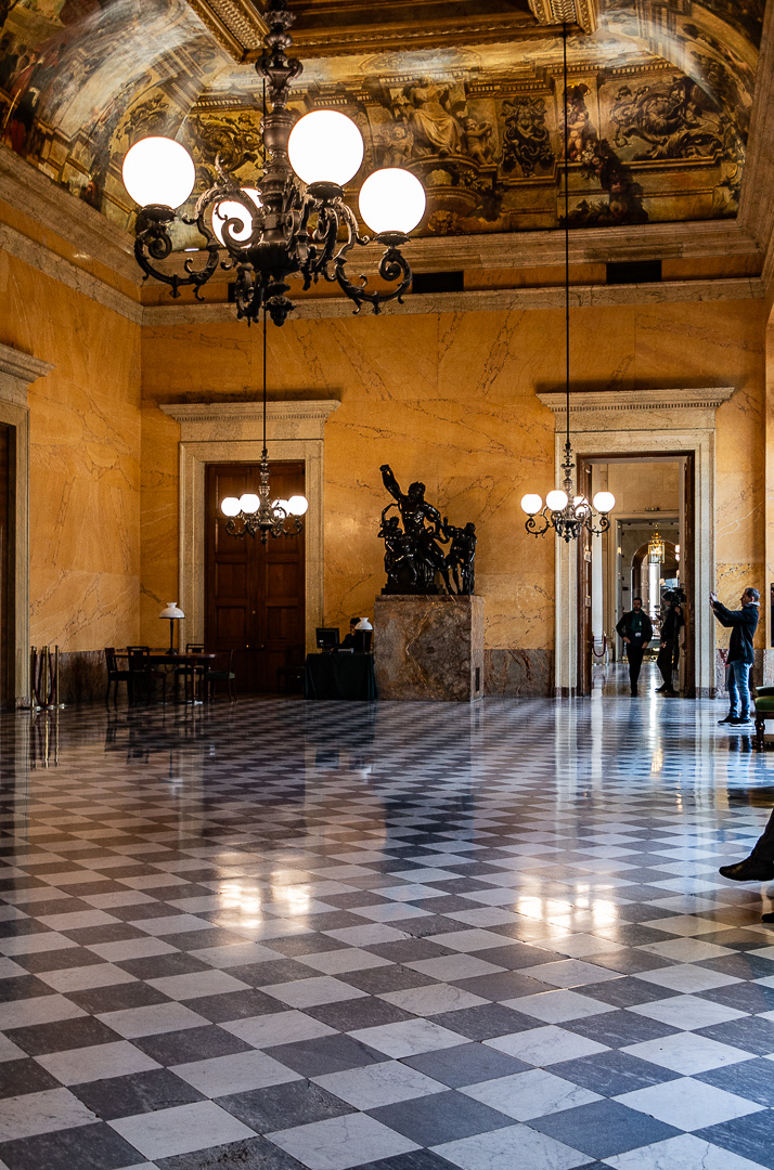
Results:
<point x="236" y="24"/>
<point x="580" y="12"/>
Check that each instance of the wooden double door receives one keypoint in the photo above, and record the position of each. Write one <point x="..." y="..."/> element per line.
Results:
<point x="254" y="592"/>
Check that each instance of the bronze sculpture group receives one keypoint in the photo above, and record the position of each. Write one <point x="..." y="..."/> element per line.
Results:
<point x="422" y="550"/>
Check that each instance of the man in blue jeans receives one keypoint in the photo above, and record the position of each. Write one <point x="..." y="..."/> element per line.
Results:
<point x="743" y="623"/>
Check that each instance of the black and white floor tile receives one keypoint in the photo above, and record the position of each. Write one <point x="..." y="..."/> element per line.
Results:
<point x="280" y="935"/>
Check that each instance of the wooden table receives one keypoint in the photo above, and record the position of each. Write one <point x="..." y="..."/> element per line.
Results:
<point x="182" y="659"/>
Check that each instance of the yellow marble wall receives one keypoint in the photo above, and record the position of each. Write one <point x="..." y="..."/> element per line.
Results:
<point x="449" y="398"/>
<point x="84" y="461"/>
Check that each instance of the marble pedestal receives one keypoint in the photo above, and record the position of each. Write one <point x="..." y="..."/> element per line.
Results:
<point x="429" y="647"/>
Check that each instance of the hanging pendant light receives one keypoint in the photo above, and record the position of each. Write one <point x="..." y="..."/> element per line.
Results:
<point x="565" y="511"/>
<point x="256" y="513"/>
<point x="656" y="549"/>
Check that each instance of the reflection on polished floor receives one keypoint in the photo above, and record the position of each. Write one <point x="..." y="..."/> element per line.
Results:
<point x="281" y="935"/>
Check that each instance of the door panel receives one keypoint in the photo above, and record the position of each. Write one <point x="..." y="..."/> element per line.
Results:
<point x="254" y="592"/>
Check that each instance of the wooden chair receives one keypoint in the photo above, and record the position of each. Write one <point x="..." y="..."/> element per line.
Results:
<point x="764" y="709"/>
<point x="115" y="675"/>
<point x="142" y="675"/>
<point x="190" y="673"/>
<point x="211" y="677"/>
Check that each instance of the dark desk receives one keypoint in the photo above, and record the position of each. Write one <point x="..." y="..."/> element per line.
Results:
<point x="339" y="676"/>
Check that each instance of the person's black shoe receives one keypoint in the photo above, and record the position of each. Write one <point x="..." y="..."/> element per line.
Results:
<point x="660" y="690"/>
<point x="728" y="719"/>
<point x="670" y="694"/>
<point x="740" y="719"/>
<point x="748" y="870"/>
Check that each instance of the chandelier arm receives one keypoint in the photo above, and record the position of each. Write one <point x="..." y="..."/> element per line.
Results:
<point x="153" y="243"/>
<point x="392" y="266"/>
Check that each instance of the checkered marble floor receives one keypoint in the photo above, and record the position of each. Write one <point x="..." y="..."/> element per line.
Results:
<point x="287" y="935"/>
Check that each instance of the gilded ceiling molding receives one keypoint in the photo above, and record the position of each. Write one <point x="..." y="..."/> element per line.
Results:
<point x="237" y="25"/>
<point x="581" y="12"/>
<point x="756" y="206"/>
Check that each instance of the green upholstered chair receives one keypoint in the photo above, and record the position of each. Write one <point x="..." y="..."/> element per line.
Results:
<point x="764" y="709"/>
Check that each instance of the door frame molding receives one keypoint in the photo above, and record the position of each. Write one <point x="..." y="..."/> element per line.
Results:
<point x="225" y="432"/>
<point x="17" y="371"/>
<point x="618" y="422"/>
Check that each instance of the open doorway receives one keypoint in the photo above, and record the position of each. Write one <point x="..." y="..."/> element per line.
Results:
<point x="648" y="552"/>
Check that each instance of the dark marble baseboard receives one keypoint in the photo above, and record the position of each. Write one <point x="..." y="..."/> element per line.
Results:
<point x="518" y="672"/>
<point x="82" y="676"/>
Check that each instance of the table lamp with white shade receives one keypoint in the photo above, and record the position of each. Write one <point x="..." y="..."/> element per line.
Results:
<point x="173" y="614"/>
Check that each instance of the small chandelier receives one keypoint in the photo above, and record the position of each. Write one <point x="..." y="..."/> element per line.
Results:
<point x="567" y="513"/>
<point x="280" y="227"/>
<point x="255" y="513"/>
<point x="656" y="549"/>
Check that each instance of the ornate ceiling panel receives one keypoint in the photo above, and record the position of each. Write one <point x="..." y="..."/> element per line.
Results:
<point x="466" y="93"/>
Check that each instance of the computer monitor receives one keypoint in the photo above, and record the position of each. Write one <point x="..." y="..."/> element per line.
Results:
<point x="327" y="637"/>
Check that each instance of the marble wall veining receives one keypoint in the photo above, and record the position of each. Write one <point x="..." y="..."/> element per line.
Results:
<point x="449" y="398"/>
<point x="84" y="461"/>
<point x="446" y="397"/>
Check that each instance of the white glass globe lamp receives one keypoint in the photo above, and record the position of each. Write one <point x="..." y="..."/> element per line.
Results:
<point x="325" y="146"/>
<point x="604" y="501"/>
<point x="556" y="500"/>
<point x="229" y="209"/>
<point x="392" y="200"/>
<point x="283" y="504"/>
<point x="298" y="505"/>
<point x="230" y="506"/>
<point x="531" y="503"/>
<point x="249" y="503"/>
<point x="159" y="171"/>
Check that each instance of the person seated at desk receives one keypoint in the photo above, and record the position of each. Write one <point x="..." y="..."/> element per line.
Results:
<point x="350" y="641"/>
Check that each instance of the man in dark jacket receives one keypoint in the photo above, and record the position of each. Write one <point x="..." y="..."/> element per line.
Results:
<point x="743" y="623"/>
<point x="669" y="651"/>
<point x="636" y="631"/>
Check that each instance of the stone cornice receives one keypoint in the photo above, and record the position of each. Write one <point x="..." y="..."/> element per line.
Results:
<point x="29" y="191"/>
<point x="483" y="301"/>
<point x="41" y="258"/>
<point x="22" y="366"/>
<point x="201" y="422"/>
<point x="595" y="401"/>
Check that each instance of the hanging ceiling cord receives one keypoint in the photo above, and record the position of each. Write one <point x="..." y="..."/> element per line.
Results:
<point x="566" y="239"/>
<point x="264" y="453"/>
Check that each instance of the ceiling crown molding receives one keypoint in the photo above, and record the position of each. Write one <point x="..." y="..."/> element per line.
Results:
<point x="237" y="25"/>
<point x="580" y="12"/>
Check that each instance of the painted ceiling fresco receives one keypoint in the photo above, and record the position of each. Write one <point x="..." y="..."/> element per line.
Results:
<point x="659" y="100"/>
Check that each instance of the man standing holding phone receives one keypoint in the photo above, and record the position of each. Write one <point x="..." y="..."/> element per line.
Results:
<point x="743" y="623"/>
